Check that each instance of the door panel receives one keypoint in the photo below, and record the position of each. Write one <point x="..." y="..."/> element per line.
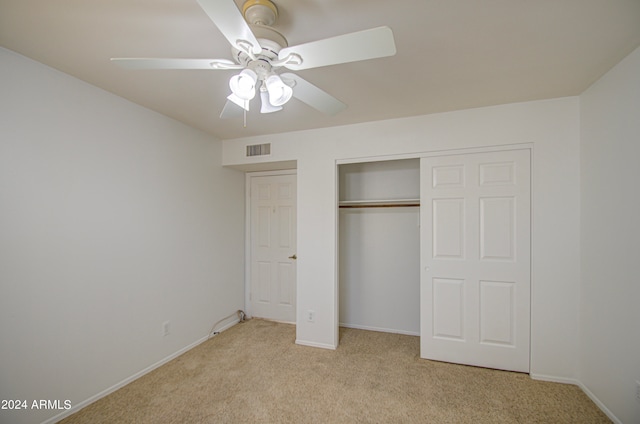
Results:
<point x="263" y="286"/>
<point x="273" y="241"/>
<point x="497" y="232"/>
<point x="285" y="224"/>
<point x="263" y="226"/>
<point x="286" y="282"/>
<point x="497" y="301"/>
<point x="475" y="257"/>
<point x="448" y="228"/>
<point x="448" y="308"/>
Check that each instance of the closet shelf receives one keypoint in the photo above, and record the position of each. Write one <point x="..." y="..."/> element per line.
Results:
<point x="389" y="203"/>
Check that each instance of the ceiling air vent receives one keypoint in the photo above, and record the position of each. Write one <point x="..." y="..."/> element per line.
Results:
<point x="259" y="149"/>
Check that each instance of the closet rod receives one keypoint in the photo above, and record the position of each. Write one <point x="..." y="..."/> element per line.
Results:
<point x="383" y="205"/>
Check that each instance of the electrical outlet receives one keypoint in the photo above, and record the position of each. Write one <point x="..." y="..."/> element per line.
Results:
<point x="638" y="391"/>
<point x="311" y="315"/>
<point x="165" y="328"/>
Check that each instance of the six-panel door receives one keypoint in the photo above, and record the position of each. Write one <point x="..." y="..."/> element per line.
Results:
<point x="475" y="259"/>
<point x="273" y="246"/>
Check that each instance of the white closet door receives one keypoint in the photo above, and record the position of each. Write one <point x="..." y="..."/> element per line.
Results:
<point x="475" y="259"/>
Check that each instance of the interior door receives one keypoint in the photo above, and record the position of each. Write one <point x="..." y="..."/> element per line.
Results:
<point x="475" y="259"/>
<point x="273" y="247"/>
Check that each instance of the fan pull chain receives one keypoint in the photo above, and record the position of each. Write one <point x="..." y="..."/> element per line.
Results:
<point x="244" y="113"/>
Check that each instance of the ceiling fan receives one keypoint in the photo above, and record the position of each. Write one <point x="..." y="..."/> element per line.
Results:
<point x="260" y="52"/>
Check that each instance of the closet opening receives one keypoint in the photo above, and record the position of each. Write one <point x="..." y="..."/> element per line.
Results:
<point x="379" y="246"/>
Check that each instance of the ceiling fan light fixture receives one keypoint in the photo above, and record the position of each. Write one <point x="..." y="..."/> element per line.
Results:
<point x="243" y="85"/>
<point x="279" y="92"/>
<point x="258" y="50"/>
<point x="266" y="106"/>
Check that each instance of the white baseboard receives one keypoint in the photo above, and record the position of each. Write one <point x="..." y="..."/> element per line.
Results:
<point x="227" y="326"/>
<point x="600" y="405"/>
<point x="554" y="379"/>
<point x="383" y="330"/>
<point x="89" y="401"/>
<point x="314" y="344"/>
<point x="274" y="320"/>
<point x="584" y="388"/>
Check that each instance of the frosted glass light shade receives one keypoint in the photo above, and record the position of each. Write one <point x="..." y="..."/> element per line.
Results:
<point x="243" y="85"/>
<point x="267" y="107"/>
<point x="279" y="92"/>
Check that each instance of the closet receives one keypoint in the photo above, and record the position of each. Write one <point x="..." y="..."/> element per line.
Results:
<point x="379" y="246"/>
<point x="440" y="247"/>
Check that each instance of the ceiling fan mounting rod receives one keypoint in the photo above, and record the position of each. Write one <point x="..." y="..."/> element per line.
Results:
<point x="260" y="12"/>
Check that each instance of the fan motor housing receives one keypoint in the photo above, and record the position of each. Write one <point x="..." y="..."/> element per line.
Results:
<point x="271" y="42"/>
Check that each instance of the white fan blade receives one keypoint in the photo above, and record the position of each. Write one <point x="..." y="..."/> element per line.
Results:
<point x="310" y="94"/>
<point x="158" y="63"/>
<point x="229" y="20"/>
<point x="362" y="45"/>
<point x="231" y="110"/>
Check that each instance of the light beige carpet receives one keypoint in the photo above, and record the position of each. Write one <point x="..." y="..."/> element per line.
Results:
<point x="255" y="373"/>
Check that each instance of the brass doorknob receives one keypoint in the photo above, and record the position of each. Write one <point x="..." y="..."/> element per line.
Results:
<point x="293" y="256"/>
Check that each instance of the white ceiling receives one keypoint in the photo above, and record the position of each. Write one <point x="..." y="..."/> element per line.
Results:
<point x="451" y="54"/>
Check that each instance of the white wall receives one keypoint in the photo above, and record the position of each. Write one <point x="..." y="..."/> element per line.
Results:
<point x="610" y="197"/>
<point x="113" y="219"/>
<point x="551" y="126"/>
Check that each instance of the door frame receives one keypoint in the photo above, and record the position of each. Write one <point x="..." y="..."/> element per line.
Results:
<point x="247" y="231"/>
